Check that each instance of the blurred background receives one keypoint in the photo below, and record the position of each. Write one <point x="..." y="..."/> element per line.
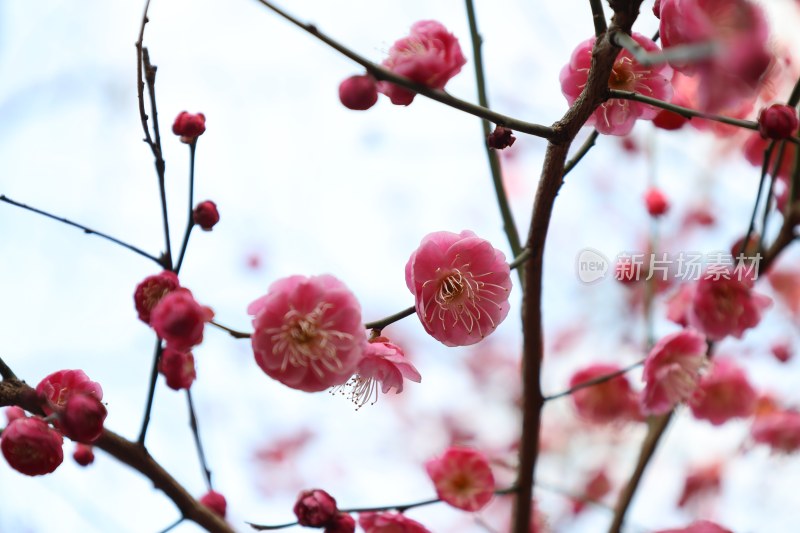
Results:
<point x="305" y="186"/>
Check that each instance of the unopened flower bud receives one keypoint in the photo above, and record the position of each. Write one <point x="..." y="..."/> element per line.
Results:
<point x="189" y="126"/>
<point x="315" y="508"/>
<point x="82" y="418"/>
<point x="500" y="138"/>
<point x="31" y="446"/>
<point x="178" y="368"/>
<point x="358" y="92"/>
<point x="216" y="502"/>
<point x="205" y="215"/>
<point x="777" y="121"/>
<point x="341" y="523"/>
<point x="83" y="454"/>
<point x="656" y="202"/>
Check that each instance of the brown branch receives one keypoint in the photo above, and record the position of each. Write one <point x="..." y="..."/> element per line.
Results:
<point x="382" y="74"/>
<point x="593" y="94"/>
<point x="656" y="427"/>
<point x="15" y="392"/>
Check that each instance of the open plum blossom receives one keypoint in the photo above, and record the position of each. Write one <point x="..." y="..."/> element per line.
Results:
<point x="672" y="370"/>
<point x="383" y="364"/>
<point x="308" y="333"/>
<point x="60" y="386"/>
<point x="31" y="446"/>
<point x="724" y="304"/>
<point x="389" y="523"/>
<point x="150" y="291"/>
<point x="610" y="401"/>
<point x="430" y="55"/>
<point x="723" y="393"/>
<point x="617" y="117"/>
<point x="462" y="478"/>
<point x="736" y="29"/>
<point x="461" y="286"/>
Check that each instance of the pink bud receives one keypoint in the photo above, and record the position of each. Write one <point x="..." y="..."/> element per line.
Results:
<point x="83" y="454"/>
<point x="31" y="446"/>
<point x="60" y="386"/>
<point x="206" y="215"/>
<point x="14" y="412"/>
<point x="82" y="418"/>
<point x="669" y="120"/>
<point x="178" y="368"/>
<point x="341" y="523"/>
<point x="315" y="508"/>
<point x="777" y="121"/>
<point x="180" y="320"/>
<point x="189" y="126"/>
<point x="216" y="502"/>
<point x="150" y="291"/>
<point x="358" y="93"/>
<point x="656" y="202"/>
<point x="500" y="138"/>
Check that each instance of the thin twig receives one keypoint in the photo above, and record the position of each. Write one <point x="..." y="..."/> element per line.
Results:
<point x="5" y="371"/>
<point x="656" y="427"/>
<point x="680" y="53"/>
<point x="151" y="391"/>
<point x="399" y="508"/>
<point x="197" y="441"/>
<point x="232" y="332"/>
<point x="87" y="230"/>
<point x="190" y="223"/>
<point x="383" y="74"/>
<point x="594" y="381"/>
<point x="683" y="111"/>
<point x="509" y="226"/>
<point x="582" y="151"/>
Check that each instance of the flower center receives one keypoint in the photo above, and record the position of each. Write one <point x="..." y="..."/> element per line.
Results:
<point x="461" y="298"/>
<point x="622" y="76"/>
<point x="307" y="340"/>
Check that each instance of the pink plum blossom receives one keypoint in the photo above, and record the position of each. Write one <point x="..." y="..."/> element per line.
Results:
<point x="384" y="364"/>
<point x="724" y="304"/>
<point x="672" y="370"/>
<point x="31" y="447"/>
<point x="701" y="526"/>
<point x="180" y="320"/>
<point x="178" y="368"/>
<point x="150" y="291"/>
<point x="308" y="333"/>
<point x="461" y="286"/>
<point x="606" y="402"/>
<point x="60" y="386"/>
<point x="617" y="117"/>
<point x="430" y="55"/>
<point x="315" y="508"/>
<point x="387" y="522"/>
<point x="737" y="32"/>
<point x="780" y="429"/>
<point x="189" y="126"/>
<point x="701" y="480"/>
<point x="462" y="478"/>
<point x="82" y="419"/>
<point x="723" y="393"/>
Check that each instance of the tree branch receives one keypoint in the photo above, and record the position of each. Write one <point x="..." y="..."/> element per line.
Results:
<point x="382" y="74"/>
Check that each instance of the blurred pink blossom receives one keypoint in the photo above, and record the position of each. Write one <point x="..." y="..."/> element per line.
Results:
<point x="724" y="304"/>
<point x="387" y="522"/>
<point x="462" y="478"/>
<point x="60" y="386"/>
<point x="723" y="393"/>
<point x="610" y="401"/>
<point x="672" y="370"/>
